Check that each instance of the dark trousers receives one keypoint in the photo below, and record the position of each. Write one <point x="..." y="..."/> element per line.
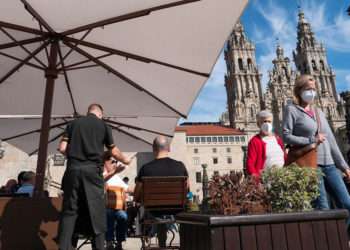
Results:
<point x="83" y="196"/>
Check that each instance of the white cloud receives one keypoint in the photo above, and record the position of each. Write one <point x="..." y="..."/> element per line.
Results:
<point x="347" y="78"/>
<point x="334" y="32"/>
<point x="280" y="27"/>
<point x="342" y="79"/>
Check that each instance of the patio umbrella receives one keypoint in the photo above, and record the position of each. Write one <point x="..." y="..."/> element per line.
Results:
<point x="144" y="61"/>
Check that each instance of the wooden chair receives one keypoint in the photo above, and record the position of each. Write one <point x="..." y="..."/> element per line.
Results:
<point x="162" y="195"/>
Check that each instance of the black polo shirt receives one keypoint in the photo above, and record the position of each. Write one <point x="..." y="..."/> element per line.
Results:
<point x="162" y="167"/>
<point x="86" y="137"/>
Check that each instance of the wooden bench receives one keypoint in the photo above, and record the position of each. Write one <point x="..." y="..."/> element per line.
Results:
<point x="162" y="195"/>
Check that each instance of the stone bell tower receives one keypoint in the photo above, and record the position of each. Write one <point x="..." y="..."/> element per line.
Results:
<point x="242" y="82"/>
<point x="310" y="58"/>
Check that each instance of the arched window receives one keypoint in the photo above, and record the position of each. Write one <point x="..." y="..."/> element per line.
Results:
<point x="250" y="64"/>
<point x="322" y="65"/>
<point x="285" y="71"/>
<point x="240" y="63"/>
<point x="252" y="111"/>
<point x="313" y="63"/>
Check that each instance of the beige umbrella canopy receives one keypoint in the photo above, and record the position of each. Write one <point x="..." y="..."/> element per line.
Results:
<point x="144" y="61"/>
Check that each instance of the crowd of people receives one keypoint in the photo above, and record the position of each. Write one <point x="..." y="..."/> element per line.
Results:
<point x="304" y="126"/>
<point x="92" y="174"/>
<point x="23" y="186"/>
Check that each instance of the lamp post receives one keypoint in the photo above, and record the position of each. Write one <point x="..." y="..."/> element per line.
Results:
<point x="205" y="188"/>
<point x="245" y="150"/>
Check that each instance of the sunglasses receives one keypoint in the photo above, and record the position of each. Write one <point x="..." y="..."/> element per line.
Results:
<point x="114" y="161"/>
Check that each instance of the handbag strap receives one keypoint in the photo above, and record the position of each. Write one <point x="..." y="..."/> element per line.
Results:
<point x="318" y="121"/>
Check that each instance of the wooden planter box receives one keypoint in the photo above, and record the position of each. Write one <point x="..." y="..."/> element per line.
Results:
<point x="29" y="223"/>
<point x="317" y="230"/>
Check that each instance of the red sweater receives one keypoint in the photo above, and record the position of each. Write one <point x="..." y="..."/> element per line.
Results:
<point x="256" y="156"/>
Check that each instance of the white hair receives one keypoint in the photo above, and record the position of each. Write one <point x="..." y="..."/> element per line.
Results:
<point x="263" y="114"/>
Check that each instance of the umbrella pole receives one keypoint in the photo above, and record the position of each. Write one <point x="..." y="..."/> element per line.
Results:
<point x="50" y="74"/>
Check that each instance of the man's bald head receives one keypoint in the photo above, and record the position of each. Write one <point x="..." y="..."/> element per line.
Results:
<point x="161" y="144"/>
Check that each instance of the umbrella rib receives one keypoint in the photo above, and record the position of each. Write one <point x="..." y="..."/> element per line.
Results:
<point x="129" y="134"/>
<point x="22" y="46"/>
<point x="76" y="44"/>
<point x="83" y="67"/>
<point x="50" y="141"/>
<point x="21" y="42"/>
<point x="21" y="28"/>
<point x="20" y="60"/>
<point x="136" y="128"/>
<point x="133" y="56"/>
<point x="121" y="76"/>
<point x="18" y="66"/>
<point x="126" y="17"/>
<point x="67" y="80"/>
<point x="37" y="16"/>
<point x="32" y="131"/>
<point x="46" y="50"/>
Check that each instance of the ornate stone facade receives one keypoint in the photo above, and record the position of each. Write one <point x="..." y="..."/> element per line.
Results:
<point x="279" y="89"/>
<point x="310" y="58"/>
<point x="244" y="98"/>
<point x="243" y="81"/>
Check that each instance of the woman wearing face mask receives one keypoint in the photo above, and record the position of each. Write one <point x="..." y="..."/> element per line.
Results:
<point x="300" y="128"/>
<point x="264" y="149"/>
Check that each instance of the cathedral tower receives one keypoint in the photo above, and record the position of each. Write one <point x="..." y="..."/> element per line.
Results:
<point x="279" y="90"/>
<point x="310" y="58"/>
<point x="243" y="81"/>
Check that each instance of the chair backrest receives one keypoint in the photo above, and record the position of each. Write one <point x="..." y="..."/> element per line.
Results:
<point x="164" y="192"/>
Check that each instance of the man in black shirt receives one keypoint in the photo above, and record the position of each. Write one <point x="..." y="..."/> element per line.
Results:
<point x="162" y="165"/>
<point x="83" y="186"/>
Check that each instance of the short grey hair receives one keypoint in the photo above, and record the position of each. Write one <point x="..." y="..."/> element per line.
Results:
<point x="263" y="114"/>
<point x="161" y="143"/>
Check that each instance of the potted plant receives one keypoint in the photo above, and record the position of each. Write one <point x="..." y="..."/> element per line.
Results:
<point x="275" y="214"/>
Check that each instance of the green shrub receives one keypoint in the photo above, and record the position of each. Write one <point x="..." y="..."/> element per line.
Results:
<point x="291" y="188"/>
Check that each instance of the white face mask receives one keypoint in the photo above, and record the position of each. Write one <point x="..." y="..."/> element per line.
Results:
<point x="308" y="95"/>
<point x="266" y="127"/>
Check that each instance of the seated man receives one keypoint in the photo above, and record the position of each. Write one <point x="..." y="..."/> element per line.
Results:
<point x="116" y="217"/>
<point x="161" y="166"/>
<point x="28" y="182"/>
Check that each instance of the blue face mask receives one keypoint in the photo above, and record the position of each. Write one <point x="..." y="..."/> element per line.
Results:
<point x="308" y="96"/>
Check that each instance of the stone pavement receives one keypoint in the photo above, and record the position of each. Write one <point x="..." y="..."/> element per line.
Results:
<point x="130" y="244"/>
<point x="133" y="243"/>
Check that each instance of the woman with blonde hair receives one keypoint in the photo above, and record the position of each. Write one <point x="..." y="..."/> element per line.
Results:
<point x="305" y="124"/>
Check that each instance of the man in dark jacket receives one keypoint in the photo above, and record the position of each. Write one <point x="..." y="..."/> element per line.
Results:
<point x="83" y="186"/>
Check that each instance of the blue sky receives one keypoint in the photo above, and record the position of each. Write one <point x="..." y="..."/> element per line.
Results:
<point x="266" y="20"/>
